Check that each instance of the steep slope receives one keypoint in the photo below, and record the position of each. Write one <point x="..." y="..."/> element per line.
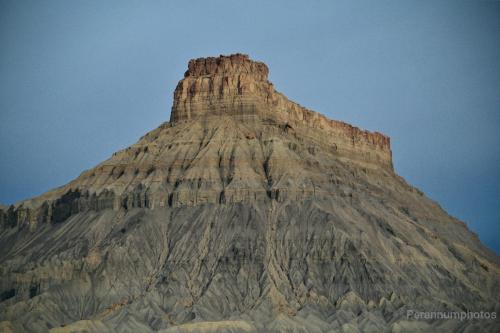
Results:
<point x="246" y="212"/>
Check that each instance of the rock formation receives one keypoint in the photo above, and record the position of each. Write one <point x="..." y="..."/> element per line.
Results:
<point x="245" y="213"/>
<point x="238" y="87"/>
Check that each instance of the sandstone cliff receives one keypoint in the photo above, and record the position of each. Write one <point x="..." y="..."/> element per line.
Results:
<point x="238" y="87"/>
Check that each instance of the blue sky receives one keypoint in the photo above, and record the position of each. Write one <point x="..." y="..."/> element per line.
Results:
<point x="80" y="80"/>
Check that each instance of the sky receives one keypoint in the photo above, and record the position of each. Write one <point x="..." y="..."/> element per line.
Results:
<point x="80" y="80"/>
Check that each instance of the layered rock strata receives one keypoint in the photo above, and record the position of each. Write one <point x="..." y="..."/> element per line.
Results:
<point x="214" y="93"/>
<point x="244" y="213"/>
<point x="237" y="86"/>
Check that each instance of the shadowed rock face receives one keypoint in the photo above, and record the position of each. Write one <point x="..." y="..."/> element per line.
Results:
<point x="245" y="213"/>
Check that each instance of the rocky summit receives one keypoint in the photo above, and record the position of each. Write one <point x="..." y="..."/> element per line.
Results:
<point x="246" y="212"/>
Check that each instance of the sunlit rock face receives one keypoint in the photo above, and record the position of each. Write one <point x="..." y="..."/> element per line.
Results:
<point x="238" y="87"/>
<point x="245" y="213"/>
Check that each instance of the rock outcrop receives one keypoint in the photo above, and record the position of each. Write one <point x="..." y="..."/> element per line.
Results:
<point x="237" y="86"/>
<point x="245" y="213"/>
